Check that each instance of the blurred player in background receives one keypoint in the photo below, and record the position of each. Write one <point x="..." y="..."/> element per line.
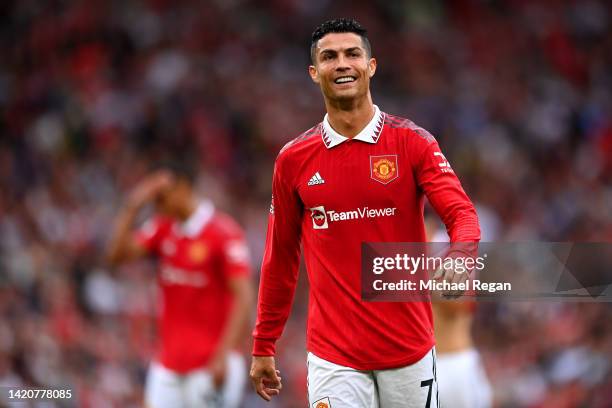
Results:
<point x="359" y="160"/>
<point x="206" y="291"/>
<point x="462" y="380"/>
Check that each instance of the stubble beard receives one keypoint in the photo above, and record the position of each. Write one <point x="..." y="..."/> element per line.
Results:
<point x="346" y="101"/>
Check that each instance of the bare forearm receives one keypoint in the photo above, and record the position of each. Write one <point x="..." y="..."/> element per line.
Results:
<point x="118" y="247"/>
<point x="122" y="246"/>
<point x="243" y="300"/>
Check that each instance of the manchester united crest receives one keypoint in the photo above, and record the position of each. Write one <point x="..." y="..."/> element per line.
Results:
<point x="384" y="168"/>
<point x="197" y="252"/>
<point x="322" y="403"/>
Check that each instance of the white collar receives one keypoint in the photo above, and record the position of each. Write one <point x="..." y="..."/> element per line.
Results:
<point x="193" y="225"/>
<point x="370" y="133"/>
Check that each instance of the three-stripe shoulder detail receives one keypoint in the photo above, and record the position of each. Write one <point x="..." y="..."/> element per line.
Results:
<point x="309" y="134"/>
<point x="397" y="122"/>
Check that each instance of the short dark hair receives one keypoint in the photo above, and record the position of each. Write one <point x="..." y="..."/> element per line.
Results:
<point x="180" y="169"/>
<point x="339" y="25"/>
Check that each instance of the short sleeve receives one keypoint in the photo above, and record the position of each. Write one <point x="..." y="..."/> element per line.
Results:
<point x="234" y="251"/>
<point x="150" y="234"/>
<point x="236" y="257"/>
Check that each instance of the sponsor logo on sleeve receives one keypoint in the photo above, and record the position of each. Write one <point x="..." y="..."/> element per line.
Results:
<point x="237" y="252"/>
<point x="443" y="163"/>
<point x="384" y="169"/>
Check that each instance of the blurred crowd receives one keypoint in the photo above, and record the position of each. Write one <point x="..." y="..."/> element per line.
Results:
<point x="92" y="93"/>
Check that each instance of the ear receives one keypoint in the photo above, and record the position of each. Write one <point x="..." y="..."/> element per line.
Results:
<point x="314" y="74"/>
<point x="372" y="67"/>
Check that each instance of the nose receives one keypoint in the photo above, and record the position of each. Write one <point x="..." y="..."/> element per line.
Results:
<point x="342" y="63"/>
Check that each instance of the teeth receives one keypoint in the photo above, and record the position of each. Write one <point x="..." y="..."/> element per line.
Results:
<point x="344" y="79"/>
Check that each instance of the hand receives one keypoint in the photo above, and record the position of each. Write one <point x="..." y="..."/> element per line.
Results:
<point x="451" y="275"/>
<point x="217" y="368"/>
<point x="149" y="188"/>
<point x="265" y="377"/>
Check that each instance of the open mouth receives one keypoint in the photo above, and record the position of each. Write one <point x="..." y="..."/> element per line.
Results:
<point x="345" y="79"/>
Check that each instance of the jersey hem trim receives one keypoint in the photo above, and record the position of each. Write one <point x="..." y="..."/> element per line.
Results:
<point x="376" y="365"/>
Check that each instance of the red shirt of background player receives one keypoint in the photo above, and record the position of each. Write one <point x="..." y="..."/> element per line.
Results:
<point x="196" y="259"/>
<point x="330" y="194"/>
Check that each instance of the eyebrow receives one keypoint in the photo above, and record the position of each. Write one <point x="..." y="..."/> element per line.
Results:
<point x="326" y="50"/>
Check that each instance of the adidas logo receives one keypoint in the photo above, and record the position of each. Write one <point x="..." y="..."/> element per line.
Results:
<point x="316" y="179"/>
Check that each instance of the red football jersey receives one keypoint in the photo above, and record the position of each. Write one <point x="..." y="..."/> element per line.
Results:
<point x="197" y="257"/>
<point x="330" y="194"/>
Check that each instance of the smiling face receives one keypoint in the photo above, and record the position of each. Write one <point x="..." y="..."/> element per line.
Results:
<point x="342" y="67"/>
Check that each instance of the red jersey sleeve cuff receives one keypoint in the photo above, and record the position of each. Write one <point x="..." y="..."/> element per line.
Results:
<point x="264" y="347"/>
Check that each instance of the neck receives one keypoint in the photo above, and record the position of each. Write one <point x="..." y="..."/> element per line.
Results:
<point x="188" y="209"/>
<point x="350" y="117"/>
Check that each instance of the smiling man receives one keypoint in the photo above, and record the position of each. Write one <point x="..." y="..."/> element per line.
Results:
<point x="361" y="175"/>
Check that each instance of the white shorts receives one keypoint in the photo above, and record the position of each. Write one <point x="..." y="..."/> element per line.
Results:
<point x="334" y="386"/>
<point x="168" y="389"/>
<point x="462" y="380"/>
